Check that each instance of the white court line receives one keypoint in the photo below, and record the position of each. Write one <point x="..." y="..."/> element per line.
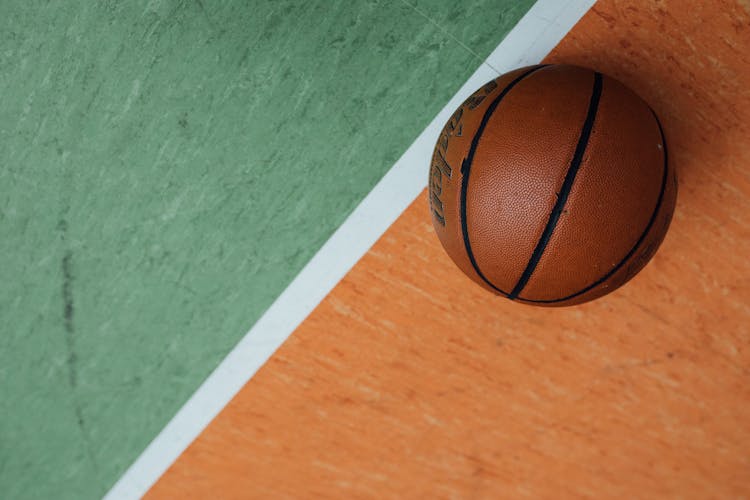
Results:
<point x="528" y="43"/>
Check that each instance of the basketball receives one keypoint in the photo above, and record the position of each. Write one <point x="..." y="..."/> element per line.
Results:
<point x="551" y="185"/>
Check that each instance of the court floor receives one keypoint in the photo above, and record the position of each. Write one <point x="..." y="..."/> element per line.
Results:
<point x="221" y="278"/>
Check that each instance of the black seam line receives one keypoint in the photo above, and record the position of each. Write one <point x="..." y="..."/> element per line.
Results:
<point x="562" y="197"/>
<point x="466" y="169"/>
<point x="645" y="233"/>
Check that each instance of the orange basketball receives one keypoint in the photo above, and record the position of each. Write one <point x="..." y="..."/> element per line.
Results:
<point x="551" y="186"/>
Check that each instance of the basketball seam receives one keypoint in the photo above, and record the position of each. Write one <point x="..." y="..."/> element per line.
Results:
<point x="638" y="243"/>
<point x="564" y="193"/>
<point x="466" y="169"/>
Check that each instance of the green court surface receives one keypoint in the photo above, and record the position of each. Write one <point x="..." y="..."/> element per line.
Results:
<point x="166" y="168"/>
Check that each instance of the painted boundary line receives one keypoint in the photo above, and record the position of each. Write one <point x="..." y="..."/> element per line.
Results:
<point x="538" y="32"/>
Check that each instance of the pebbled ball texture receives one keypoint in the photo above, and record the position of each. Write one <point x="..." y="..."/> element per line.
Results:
<point x="551" y="185"/>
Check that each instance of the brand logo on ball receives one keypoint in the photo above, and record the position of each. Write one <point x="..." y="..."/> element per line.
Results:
<point x="440" y="167"/>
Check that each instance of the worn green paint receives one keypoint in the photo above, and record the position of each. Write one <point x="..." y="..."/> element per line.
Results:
<point x="166" y="168"/>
